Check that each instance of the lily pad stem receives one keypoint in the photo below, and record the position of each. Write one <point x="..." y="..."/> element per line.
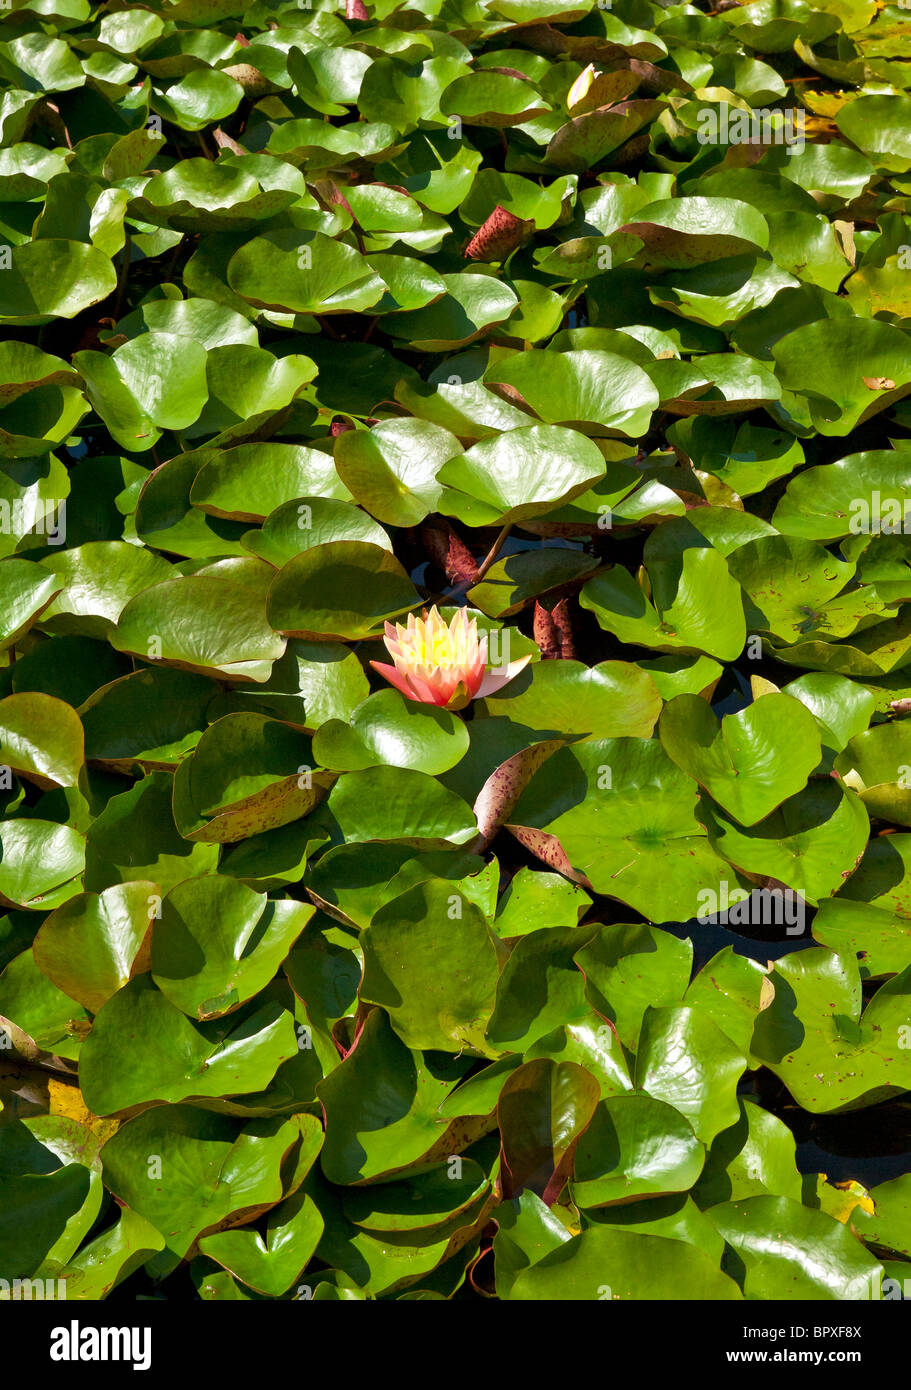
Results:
<point x="488" y="560"/>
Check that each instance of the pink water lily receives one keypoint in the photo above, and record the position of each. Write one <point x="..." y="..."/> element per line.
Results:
<point x="440" y="663"/>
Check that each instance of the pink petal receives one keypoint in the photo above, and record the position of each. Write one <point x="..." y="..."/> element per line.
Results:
<point x="395" y="678"/>
<point x="495" y="680"/>
<point x="412" y="687"/>
<point x="427" y="693"/>
<point x="474" y="676"/>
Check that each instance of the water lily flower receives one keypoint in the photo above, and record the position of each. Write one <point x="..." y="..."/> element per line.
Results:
<point x="440" y="663"/>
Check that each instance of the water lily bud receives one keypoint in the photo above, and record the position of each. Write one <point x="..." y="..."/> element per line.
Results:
<point x="579" y="90"/>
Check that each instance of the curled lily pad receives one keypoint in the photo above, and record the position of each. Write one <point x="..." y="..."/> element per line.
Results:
<point x="617" y="1160"/>
<point x="307" y="521"/>
<point x="247" y="774"/>
<point x="41" y="863"/>
<point x="470" y="305"/>
<point x="874" y="765"/>
<point x="40" y="400"/>
<point x="198" y="194"/>
<point x="151" y="718"/>
<point x="98" y="579"/>
<point x="543" y="1111"/>
<point x="41" y="738"/>
<point x="251" y="481"/>
<point x="681" y="232"/>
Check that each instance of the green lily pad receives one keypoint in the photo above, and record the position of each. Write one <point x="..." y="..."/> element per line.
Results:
<point x="607" y="1263"/>
<point x="690" y="619"/>
<point x="829" y="1054"/>
<point x="684" y="1059"/>
<point x="753" y="760"/>
<point x="218" y="944"/>
<point x="811" y="843"/>
<point x="41" y="738"/>
<point x="135" y="836"/>
<point x="98" y="579"/>
<point x="151" y="717"/>
<point x="610" y="700"/>
<point x="859" y="494"/>
<point x="339" y="590"/>
<point x="303" y="273"/>
<point x="628" y="969"/>
<point x="817" y="1257"/>
<point x="41" y="863"/>
<point x="471" y="304"/>
<point x="618" y="816"/>
<point x="247" y="774"/>
<point x="391" y="469"/>
<point x="270" y="1266"/>
<point x="388" y="729"/>
<point x="438" y="994"/>
<point x="91" y="944"/>
<point x="686" y="231"/>
<point x="211" y="1167"/>
<point x="581" y="388"/>
<point x="141" y="1048"/>
<point x="307" y="521"/>
<point x="635" y="1147"/>
<point x="249" y="482"/>
<point x="518" y="475"/>
<point x="209" y="625"/>
<point x="848" y="370"/>
<point x="407" y="1088"/>
<point x="402" y="805"/>
<point x="879" y="939"/>
<point x="51" y="278"/>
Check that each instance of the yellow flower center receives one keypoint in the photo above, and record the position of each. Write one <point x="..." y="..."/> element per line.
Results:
<point x="431" y="642"/>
